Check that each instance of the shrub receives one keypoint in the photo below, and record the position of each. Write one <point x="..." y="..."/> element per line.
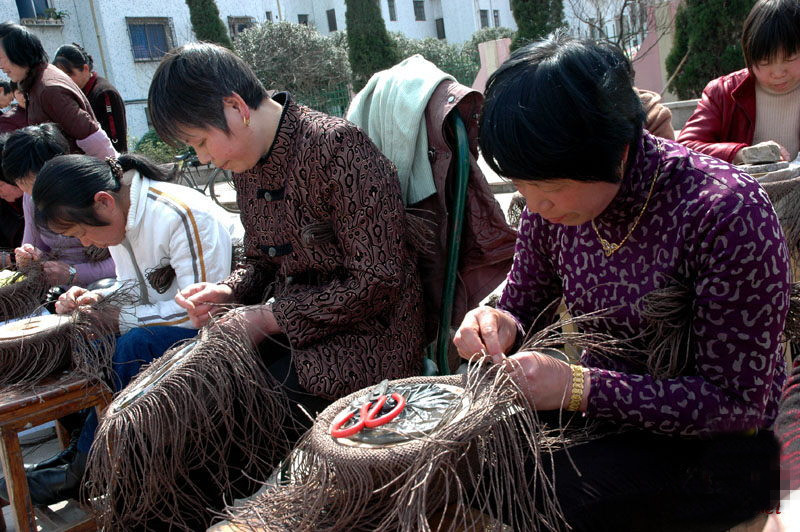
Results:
<point x="536" y="19"/>
<point x="370" y="47"/>
<point x="206" y="23"/>
<point x="151" y="146"/>
<point x="296" y="58"/>
<point x="707" y="35"/>
<point x="484" y="35"/>
<point x="448" y="57"/>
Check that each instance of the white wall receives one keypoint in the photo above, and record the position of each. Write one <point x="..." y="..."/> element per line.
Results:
<point x="406" y="22"/>
<point x="132" y="78"/>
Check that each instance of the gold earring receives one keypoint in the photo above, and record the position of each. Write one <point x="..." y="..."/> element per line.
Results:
<point x="246" y="121"/>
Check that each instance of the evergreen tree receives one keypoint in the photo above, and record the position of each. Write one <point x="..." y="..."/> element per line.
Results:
<point x="707" y="43"/>
<point x="206" y="23"/>
<point x="369" y="46"/>
<point x="536" y="19"/>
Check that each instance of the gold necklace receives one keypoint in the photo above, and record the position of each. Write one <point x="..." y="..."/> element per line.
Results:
<point x="609" y="248"/>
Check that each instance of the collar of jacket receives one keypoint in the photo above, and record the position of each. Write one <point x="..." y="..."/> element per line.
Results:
<point x="644" y="160"/>
<point x="743" y="92"/>
<point x="90" y="84"/>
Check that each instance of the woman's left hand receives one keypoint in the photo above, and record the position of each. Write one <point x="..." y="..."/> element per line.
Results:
<point x="86" y="301"/>
<point x="258" y="320"/>
<point x="26" y="254"/>
<point x="56" y="272"/>
<point x="545" y="381"/>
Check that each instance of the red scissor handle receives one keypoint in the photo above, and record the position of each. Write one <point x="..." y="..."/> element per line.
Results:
<point x="344" y="416"/>
<point x="369" y="411"/>
<point x="367" y="416"/>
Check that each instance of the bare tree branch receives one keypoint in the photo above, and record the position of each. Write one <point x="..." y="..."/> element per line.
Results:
<point x="631" y="22"/>
<point x="677" y="69"/>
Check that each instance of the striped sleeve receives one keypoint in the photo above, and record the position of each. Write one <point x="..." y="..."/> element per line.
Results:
<point x="199" y="250"/>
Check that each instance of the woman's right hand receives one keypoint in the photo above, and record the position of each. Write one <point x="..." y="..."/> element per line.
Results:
<point x="74" y="298"/>
<point x="486" y="329"/>
<point x="26" y="254"/>
<point x="202" y="300"/>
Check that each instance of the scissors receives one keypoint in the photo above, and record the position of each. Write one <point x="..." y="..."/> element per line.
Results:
<point x="370" y="414"/>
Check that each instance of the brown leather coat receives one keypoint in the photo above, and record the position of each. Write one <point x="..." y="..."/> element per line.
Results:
<point x="325" y="234"/>
<point x="487" y="244"/>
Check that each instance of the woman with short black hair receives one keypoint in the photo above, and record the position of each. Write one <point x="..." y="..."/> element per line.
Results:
<point x="106" y="102"/>
<point x="51" y="95"/>
<point x="616" y="219"/>
<point x="325" y="231"/>
<point x="324" y="223"/>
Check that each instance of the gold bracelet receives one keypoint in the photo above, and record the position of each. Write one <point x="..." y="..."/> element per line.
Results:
<point x="577" y="388"/>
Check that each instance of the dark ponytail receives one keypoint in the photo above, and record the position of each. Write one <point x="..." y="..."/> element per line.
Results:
<point x="71" y="57"/>
<point x="143" y="165"/>
<point x="65" y="187"/>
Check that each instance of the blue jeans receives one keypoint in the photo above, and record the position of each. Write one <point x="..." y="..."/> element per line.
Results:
<point x="135" y="348"/>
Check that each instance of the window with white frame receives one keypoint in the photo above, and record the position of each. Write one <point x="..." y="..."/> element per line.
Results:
<point x="268" y="16"/>
<point x="151" y="37"/>
<point x="237" y="25"/>
<point x="484" y="18"/>
<point x="419" y="10"/>
<point x="496" y="16"/>
<point x="392" y="10"/>
<point x="302" y="19"/>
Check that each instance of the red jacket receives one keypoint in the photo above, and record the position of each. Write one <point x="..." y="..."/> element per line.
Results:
<point x="725" y="119"/>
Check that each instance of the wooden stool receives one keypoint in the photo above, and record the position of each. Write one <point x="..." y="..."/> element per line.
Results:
<point x="49" y="400"/>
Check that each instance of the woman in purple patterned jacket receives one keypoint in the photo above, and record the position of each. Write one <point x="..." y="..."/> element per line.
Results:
<point x="614" y="213"/>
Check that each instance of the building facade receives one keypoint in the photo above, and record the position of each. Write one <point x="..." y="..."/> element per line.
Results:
<point x="127" y="38"/>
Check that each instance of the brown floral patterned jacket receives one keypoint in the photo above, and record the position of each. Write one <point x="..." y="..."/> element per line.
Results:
<point x="325" y="235"/>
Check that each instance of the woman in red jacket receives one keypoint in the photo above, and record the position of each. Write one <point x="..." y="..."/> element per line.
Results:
<point x="760" y="102"/>
<point x="106" y="102"/>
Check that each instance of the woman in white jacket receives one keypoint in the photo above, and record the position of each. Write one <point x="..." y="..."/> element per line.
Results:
<point x="163" y="237"/>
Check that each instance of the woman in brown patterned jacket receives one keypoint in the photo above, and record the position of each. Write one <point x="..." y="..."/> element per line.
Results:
<point x="325" y="228"/>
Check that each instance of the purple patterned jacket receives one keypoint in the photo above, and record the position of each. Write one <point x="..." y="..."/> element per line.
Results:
<point x="712" y="228"/>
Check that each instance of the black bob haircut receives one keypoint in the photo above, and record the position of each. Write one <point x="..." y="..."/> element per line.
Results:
<point x="66" y="185"/>
<point x="72" y="57"/>
<point x="770" y="27"/>
<point x="27" y="150"/>
<point x="24" y="49"/>
<point x="189" y="85"/>
<point x="561" y="108"/>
